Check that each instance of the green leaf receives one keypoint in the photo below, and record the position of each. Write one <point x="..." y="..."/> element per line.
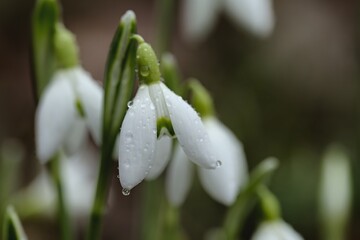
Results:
<point x="44" y="19"/>
<point x="245" y="201"/>
<point x="12" y="229"/>
<point x="119" y="76"/>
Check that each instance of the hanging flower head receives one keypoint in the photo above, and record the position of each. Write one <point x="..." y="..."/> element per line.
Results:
<point x="70" y="103"/>
<point x="154" y="112"/>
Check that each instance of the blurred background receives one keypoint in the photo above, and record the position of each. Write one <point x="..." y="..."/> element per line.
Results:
<point x="289" y="95"/>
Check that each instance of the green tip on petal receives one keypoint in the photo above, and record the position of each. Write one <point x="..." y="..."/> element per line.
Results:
<point x="163" y="125"/>
<point x="201" y="99"/>
<point x="66" y="50"/>
<point x="147" y="63"/>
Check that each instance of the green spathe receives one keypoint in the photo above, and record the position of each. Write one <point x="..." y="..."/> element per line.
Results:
<point x="201" y="99"/>
<point x="148" y="64"/>
<point x="66" y="50"/>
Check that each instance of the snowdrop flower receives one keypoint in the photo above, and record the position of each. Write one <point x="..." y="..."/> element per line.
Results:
<point x="71" y="103"/>
<point x="156" y="111"/>
<point x="222" y="184"/>
<point x="275" y="230"/>
<point x="256" y="16"/>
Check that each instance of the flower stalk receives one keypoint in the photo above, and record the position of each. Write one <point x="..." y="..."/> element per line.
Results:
<point x="12" y="228"/>
<point x="119" y="82"/>
<point x="245" y="201"/>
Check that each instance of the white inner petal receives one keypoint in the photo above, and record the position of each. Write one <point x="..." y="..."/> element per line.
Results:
<point x="157" y="97"/>
<point x="162" y="155"/>
<point x="179" y="177"/>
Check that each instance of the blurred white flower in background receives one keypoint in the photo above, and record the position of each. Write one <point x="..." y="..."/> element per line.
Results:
<point x="275" y="230"/>
<point x="335" y="193"/>
<point x="199" y="16"/>
<point x="222" y="184"/>
<point x="78" y="174"/>
<point x="71" y="103"/>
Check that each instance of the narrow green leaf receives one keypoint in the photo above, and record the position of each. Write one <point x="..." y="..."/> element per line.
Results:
<point x="12" y="228"/>
<point x="119" y="74"/>
<point x="119" y="83"/>
<point x="45" y="16"/>
<point x="125" y="87"/>
<point x="237" y="213"/>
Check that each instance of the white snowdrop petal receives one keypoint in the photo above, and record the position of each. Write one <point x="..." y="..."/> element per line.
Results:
<point x="79" y="172"/>
<point x="199" y="17"/>
<point x="179" y="177"/>
<point x="162" y="155"/>
<point x="274" y="230"/>
<point x="137" y="140"/>
<point x="91" y="96"/>
<point x="255" y="15"/>
<point x="190" y="131"/>
<point x="76" y="137"/>
<point x="224" y="183"/>
<point x="54" y="116"/>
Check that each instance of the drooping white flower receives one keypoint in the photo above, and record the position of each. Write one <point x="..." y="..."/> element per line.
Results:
<point x="77" y="172"/>
<point x="71" y="103"/>
<point x="157" y="110"/>
<point x="275" y="230"/>
<point x="199" y="16"/>
<point x="222" y="184"/>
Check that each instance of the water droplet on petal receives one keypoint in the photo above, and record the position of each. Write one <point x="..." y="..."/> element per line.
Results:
<point x="218" y="163"/>
<point x="129" y="104"/>
<point x="144" y="71"/>
<point x="126" y="192"/>
<point x="128" y="137"/>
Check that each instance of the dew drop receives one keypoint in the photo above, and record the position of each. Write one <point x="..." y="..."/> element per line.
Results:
<point x="129" y="104"/>
<point x="128" y="137"/>
<point x="126" y="192"/>
<point x="144" y="71"/>
<point x="218" y="163"/>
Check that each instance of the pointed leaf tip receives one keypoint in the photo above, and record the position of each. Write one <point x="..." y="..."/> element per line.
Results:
<point x="12" y="228"/>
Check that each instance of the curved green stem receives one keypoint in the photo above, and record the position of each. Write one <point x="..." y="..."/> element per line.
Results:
<point x="246" y="200"/>
<point x="102" y="189"/>
<point x="63" y="213"/>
